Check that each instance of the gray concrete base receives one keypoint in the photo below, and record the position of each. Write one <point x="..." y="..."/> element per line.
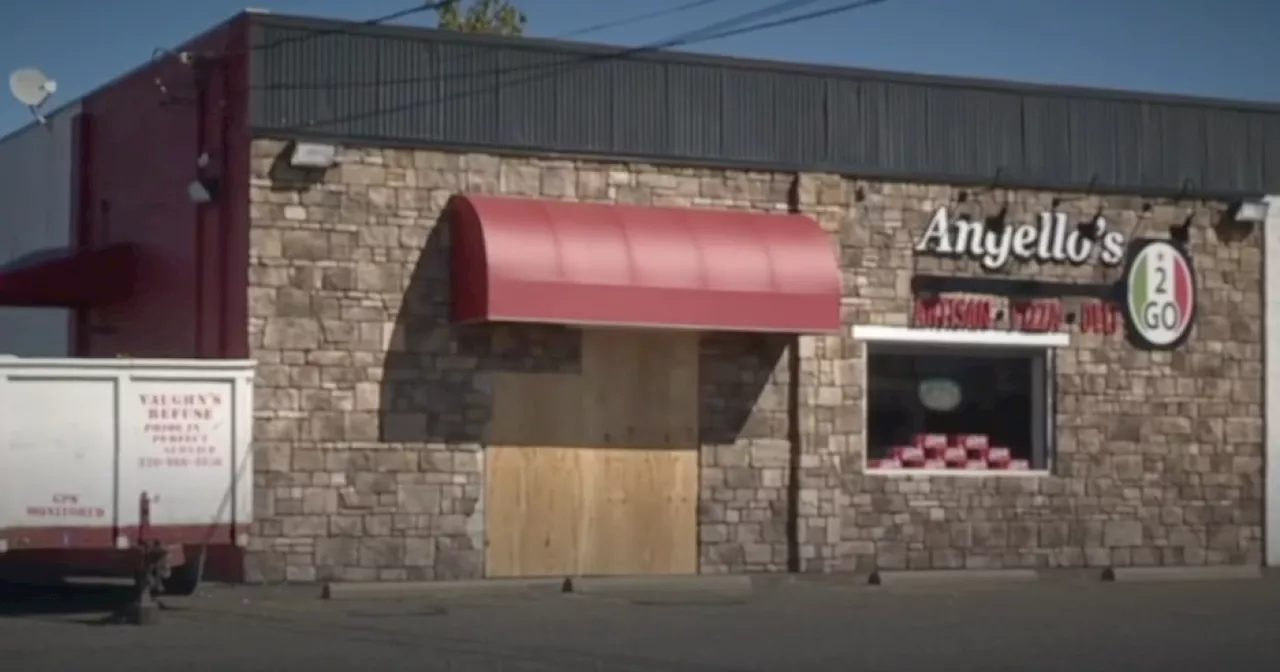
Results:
<point x="407" y="589"/>
<point x="1222" y="573"/>
<point x="741" y="584"/>
<point x="830" y="579"/>
<point x="919" y="577"/>
<point x="715" y="584"/>
<point x="605" y="585"/>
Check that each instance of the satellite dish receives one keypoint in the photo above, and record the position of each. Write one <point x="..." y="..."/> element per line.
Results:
<point x="32" y="88"/>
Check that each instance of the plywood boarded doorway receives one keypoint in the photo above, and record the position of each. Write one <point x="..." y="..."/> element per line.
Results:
<point x="597" y="474"/>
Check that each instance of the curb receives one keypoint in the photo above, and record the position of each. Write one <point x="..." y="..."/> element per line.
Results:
<point x="736" y="584"/>
<point x="741" y="584"/>
<point x="1153" y="574"/>
<point x="920" y="577"/>
<point x="394" y="590"/>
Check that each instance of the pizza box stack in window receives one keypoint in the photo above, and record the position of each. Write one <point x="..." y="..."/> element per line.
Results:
<point x="998" y="457"/>
<point x="954" y="457"/>
<point x="894" y="461"/>
<point x="904" y="457"/>
<point x="933" y="445"/>
<point x="971" y="452"/>
<point x="975" y="448"/>
<point x="928" y="452"/>
<point x="982" y="455"/>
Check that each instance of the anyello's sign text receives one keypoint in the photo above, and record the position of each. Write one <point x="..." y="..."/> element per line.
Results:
<point x="1052" y="239"/>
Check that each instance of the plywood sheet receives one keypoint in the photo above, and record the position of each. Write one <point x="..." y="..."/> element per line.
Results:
<point x="560" y="511"/>
<point x="533" y="511"/>
<point x="642" y="517"/>
<point x="641" y="388"/>
<point x="533" y="496"/>
<point x="537" y="409"/>
<point x="596" y="474"/>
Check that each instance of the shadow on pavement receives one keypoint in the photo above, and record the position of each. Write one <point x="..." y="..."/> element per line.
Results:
<point x="453" y="652"/>
<point x="91" y="603"/>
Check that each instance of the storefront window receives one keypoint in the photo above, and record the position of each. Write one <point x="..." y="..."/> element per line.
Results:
<point x="935" y="407"/>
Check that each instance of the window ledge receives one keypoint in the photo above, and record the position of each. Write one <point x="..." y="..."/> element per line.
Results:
<point x="962" y="473"/>
<point x="995" y="338"/>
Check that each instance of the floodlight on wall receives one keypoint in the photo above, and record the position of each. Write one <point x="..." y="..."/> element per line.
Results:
<point x="1093" y="227"/>
<point x="1250" y="212"/>
<point x="202" y="191"/>
<point x="995" y="223"/>
<point x="313" y="155"/>
<point x="1180" y="234"/>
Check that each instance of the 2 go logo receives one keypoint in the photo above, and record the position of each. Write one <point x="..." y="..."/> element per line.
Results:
<point x="1160" y="288"/>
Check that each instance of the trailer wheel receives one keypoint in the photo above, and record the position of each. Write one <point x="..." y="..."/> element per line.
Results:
<point x="183" y="579"/>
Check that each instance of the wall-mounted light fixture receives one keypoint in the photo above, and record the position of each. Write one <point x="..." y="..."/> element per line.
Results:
<point x="1181" y="233"/>
<point x="1250" y="212"/>
<point x="1091" y="228"/>
<point x="204" y="189"/>
<point x="313" y="155"/>
<point x="995" y="223"/>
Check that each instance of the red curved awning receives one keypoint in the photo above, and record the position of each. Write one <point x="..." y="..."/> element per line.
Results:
<point x="524" y="260"/>
<point x="69" y="278"/>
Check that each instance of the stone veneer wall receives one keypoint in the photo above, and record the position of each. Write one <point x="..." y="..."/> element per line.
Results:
<point x="371" y="408"/>
<point x="1159" y="454"/>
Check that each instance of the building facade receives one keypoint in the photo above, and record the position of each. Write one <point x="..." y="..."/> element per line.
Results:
<point x="1158" y="458"/>
<point x="506" y="335"/>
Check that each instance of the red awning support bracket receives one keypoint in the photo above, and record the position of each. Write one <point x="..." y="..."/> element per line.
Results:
<point x="70" y="278"/>
<point x="525" y="260"/>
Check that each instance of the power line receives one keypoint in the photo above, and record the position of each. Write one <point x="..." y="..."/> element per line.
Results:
<point x="636" y="18"/>
<point x="698" y="37"/>
<point x="195" y="58"/>
<point x="715" y="30"/>
<point x="393" y="16"/>
<point x="420" y="7"/>
<point x="727" y="24"/>
<point x="798" y="18"/>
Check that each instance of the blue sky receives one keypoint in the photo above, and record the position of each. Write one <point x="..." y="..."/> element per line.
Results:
<point x="1219" y="48"/>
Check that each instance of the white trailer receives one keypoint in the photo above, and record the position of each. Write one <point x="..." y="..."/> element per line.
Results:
<point x="105" y="463"/>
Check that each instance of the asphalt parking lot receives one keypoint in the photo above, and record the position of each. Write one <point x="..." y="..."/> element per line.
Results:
<point x="781" y="625"/>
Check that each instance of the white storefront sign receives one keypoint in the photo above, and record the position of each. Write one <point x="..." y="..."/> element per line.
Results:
<point x="1052" y="239"/>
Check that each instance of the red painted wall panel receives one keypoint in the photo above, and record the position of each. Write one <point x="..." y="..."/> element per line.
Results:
<point x="138" y="142"/>
<point x="141" y="141"/>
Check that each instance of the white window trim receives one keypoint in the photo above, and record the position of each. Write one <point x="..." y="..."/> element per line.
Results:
<point x="955" y="473"/>
<point x="1271" y="379"/>
<point x="874" y="333"/>
<point x="993" y="338"/>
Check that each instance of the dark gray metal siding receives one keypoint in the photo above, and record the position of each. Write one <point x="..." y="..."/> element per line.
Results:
<point x="422" y="87"/>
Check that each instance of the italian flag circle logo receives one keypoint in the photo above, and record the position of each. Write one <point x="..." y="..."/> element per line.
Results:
<point x="1161" y="293"/>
